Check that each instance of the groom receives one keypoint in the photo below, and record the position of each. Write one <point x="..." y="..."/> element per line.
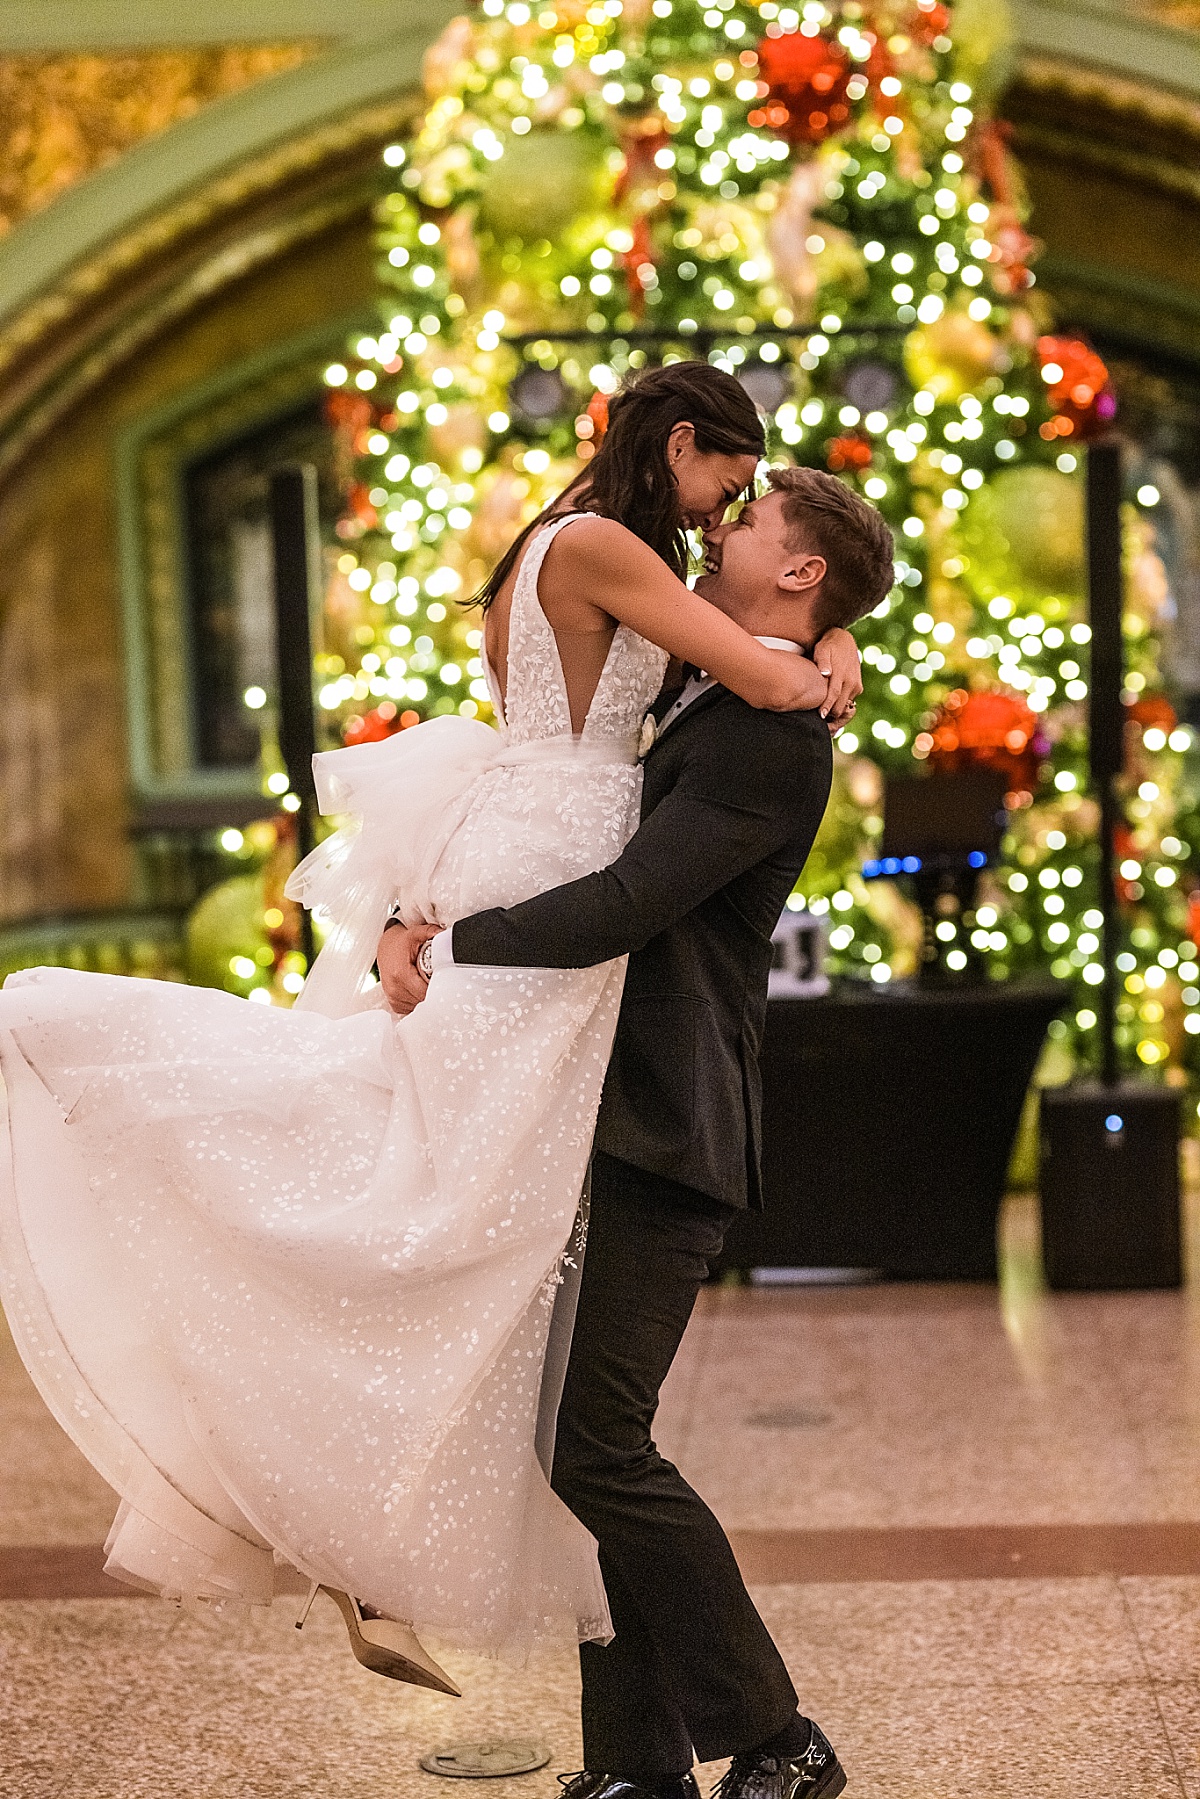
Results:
<point x="731" y="802"/>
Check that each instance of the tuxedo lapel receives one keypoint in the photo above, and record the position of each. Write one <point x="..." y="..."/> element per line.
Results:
<point x="664" y="702"/>
<point x="701" y="703"/>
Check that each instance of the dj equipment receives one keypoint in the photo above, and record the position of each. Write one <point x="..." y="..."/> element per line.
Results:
<point x="1110" y="1150"/>
<point x="938" y="832"/>
<point x="1110" y="1185"/>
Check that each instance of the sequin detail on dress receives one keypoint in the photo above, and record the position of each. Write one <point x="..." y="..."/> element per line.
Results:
<point x="286" y="1278"/>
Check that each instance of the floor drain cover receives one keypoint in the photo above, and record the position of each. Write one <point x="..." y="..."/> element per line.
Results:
<point x="486" y="1761"/>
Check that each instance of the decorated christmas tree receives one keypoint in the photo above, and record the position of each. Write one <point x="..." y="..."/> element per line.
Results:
<point x="819" y="200"/>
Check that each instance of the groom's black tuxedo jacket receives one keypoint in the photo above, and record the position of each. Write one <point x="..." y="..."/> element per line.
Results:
<point x="731" y="802"/>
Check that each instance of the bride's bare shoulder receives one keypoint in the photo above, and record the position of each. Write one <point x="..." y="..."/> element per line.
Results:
<point x="590" y="537"/>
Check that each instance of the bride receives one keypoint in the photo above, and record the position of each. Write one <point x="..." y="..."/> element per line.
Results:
<point x="286" y="1277"/>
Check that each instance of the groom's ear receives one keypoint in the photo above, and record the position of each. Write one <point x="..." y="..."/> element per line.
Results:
<point x="803" y="573"/>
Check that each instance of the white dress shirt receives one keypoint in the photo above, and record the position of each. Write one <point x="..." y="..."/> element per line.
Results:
<point x="701" y="683"/>
<point x="442" y="950"/>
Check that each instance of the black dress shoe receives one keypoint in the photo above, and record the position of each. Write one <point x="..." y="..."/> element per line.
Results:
<point x="616" y="1786"/>
<point x="816" y="1773"/>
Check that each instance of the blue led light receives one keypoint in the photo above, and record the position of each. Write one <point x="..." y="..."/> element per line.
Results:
<point x="911" y="865"/>
<point x="977" y="859"/>
<point x="890" y="865"/>
<point x="1114" y="1122"/>
<point x="870" y="870"/>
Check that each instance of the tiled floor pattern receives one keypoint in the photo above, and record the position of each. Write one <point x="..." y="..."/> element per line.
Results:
<point x="936" y="1552"/>
<point x="841" y="1435"/>
<point x="948" y="1690"/>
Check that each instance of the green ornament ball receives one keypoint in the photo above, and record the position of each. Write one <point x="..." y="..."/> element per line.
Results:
<point x="227" y="921"/>
<point x="542" y="183"/>
<point x="1031" y="518"/>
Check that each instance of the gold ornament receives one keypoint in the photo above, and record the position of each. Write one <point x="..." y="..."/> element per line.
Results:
<point x="541" y="183"/>
<point x="952" y="356"/>
<point x="1033" y="519"/>
<point x="728" y="228"/>
<point x="983" y="45"/>
<point x="228" y="921"/>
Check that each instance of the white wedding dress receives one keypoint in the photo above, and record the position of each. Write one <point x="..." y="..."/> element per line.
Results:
<point x="286" y="1277"/>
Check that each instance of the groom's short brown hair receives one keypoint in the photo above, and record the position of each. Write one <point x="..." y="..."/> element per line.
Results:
<point x="822" y="514"/>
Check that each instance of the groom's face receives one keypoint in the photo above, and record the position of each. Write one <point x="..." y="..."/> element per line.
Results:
<point x="751" y="567"/>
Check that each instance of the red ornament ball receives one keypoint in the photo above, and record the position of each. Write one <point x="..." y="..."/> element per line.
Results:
<point x="1077" y="387"/>
<point x="375" y="726"/>
<point x="1152" y="711"/>
<point x="848" y="452"/>
<point x="990" y="729"/>
<point x="806" y="81"/>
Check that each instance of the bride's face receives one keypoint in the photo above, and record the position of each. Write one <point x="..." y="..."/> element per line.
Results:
<point x="707" y="483"/>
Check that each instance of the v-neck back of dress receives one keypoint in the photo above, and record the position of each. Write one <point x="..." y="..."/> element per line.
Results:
<point x="537" y="704"/>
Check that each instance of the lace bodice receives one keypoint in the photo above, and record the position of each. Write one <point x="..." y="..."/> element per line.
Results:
<point x="537" y="703"/>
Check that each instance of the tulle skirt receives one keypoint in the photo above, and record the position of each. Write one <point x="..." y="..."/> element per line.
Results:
<point x="287" y="1278"/>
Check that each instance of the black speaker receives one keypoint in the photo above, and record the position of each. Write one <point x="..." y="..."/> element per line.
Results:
<point x="1110" y="1186"/>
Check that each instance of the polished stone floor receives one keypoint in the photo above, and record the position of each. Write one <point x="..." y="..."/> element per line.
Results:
<point x="971" y="1518"/>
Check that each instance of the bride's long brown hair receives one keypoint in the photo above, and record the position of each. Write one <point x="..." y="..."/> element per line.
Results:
<point x="629" y="479"/>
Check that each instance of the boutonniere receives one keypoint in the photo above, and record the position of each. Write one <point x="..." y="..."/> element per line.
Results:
<point x="649" y="736"/>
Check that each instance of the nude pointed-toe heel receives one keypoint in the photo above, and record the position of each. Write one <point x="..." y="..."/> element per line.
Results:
<point x="384" y="1645"/>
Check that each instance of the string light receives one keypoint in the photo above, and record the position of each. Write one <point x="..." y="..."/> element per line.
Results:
<point x="715" y="196"/>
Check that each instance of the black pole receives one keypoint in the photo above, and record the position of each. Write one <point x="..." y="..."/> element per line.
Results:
<point x="294" y="541"/>
<point x="1106" y="715"/>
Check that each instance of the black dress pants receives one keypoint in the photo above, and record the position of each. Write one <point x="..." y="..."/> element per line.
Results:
<point x="691" y="1666"/>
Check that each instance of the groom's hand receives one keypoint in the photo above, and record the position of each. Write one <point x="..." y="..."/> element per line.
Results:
<point x="404" y="986"/>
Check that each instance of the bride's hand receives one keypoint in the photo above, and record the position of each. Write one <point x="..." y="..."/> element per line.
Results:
<point x="404" y="986"/>
<point x="836" y="656"/>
